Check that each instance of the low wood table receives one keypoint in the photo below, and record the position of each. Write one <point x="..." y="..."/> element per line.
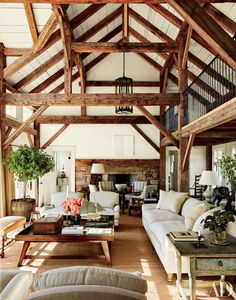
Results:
<point x="27" y="236"/>
<point x="211" y="260"/>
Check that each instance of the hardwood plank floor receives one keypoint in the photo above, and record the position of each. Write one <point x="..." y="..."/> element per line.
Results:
<point x="131" y="251"/>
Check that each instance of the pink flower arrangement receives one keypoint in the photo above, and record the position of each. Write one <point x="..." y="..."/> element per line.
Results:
<point x="72" y="205"/>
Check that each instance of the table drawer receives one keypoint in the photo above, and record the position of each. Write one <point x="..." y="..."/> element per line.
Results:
<point x="216" y="264"/>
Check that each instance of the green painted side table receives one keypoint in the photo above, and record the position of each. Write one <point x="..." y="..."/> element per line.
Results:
<point x="211" y="260"/>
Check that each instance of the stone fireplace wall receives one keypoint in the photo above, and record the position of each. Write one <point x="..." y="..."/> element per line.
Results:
<point x="138" y="169"/>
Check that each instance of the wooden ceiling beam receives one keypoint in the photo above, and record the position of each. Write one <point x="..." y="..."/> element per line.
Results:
<point x="208" y="28"/>
<point x="124" y="47"/>
<point x="26" y="124"/>
<point x="84" y="36"/>
<point x="186" y="48"/>
<point x="221" y="18"/>
<point x="178" y="23"/>
<point x="154" y="146"/>
<point x="55" y="136"/>
<point x="29" y="56"/>
<point x="15" y="124"/>
<point x="188" y="151"/>
<point x="38" y="46"/>
<point x="158" y="125"/>
<point x="136" y="83"/>
<point x="93" y="119"/>
<point x="16" y="51"/>
<point x="31" y="21"/>
<point x="91" y="99"/>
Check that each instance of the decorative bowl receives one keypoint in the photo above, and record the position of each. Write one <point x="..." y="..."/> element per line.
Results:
<point x="121" y="187"/>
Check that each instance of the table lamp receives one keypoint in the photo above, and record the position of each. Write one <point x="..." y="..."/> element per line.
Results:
<point x="96" y="171"/>
<point x="209" y="178"/>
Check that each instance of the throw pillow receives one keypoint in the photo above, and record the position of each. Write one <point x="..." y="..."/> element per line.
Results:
<point x="198" y="225"/>
<point x="171" y="201"/>
<point x="194" y="213"/>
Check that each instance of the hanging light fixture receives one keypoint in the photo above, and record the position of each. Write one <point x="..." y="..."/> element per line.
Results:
<point x="124" y="85"/>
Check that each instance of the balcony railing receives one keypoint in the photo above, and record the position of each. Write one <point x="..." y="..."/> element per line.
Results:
<point x="213" y="87"/>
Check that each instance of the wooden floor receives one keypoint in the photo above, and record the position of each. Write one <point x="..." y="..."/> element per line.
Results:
<point x="131" y="251"/>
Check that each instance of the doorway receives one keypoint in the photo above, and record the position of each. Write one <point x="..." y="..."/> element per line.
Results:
<point x="173" y="170"/>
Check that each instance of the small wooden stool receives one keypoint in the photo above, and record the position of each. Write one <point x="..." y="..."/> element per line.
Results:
<point x="34" y="215"/>
<point x="8" y="224"/>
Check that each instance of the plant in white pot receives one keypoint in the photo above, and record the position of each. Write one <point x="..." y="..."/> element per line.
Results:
<point x="217" y="223"/>
<point x="27" y="164"/>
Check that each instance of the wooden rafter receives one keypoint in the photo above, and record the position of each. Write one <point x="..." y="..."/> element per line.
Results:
<point x="56" y="135"/>
<point x="30" y="140"/>
<point x="26" y="124"/>
<point x="158" y="125"/>
<point x="208" y="28"/>
<point x="186" y="48"/>
<point x="125" y="22"/>
<point x="221" y="18"/>
<point x="15" y="124"/>
<point x="188" y="151"/>
<point x="146" y="137"/>
<point x="15" y="51"/>
<point x="38" y="46"/>
<point x="29" y="56"/>
<point x="91" y="99"/>
<point x="124" y="47"/>
<point x="93" y="120"/>
<point x="31" y="21"/>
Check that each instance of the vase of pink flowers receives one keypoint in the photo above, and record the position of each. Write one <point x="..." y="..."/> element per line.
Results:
<point x="71" y="208"/>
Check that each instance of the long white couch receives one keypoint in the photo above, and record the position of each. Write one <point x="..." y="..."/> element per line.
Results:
<point x="159" y="222"/>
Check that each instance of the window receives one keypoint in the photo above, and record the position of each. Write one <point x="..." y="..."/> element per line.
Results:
<point x="11" y="111"/>
<point x="216" y="165"/>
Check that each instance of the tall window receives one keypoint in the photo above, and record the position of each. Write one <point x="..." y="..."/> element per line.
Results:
<point x="217" y="154"/>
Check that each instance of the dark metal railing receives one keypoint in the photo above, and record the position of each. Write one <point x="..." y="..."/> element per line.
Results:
<point x="213" y="87"/>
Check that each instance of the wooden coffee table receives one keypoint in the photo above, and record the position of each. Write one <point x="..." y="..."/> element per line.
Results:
<point x="27" y="236"/>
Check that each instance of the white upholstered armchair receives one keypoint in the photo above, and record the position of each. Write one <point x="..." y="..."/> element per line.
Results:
<point x="110" y="202"/>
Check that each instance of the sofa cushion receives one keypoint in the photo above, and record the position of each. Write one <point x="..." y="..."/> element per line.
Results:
<point x="158" y="215"/>
<point x="84" y="292"/>
<point x="171" y="201"/>
<point x="198" y="225"/>
<point x="188" y="204"/>
<point x="194" y="213"/>
<point x="85" y="275"/>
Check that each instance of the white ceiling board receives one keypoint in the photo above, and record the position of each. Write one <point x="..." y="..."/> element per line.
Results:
<point x="62" y="111"/>
<point x="42" y="15"/>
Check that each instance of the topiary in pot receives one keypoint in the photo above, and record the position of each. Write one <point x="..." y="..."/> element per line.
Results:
<point x="29" y="163"/>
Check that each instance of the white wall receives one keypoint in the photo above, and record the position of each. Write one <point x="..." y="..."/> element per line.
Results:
<point x="95" y="141"/>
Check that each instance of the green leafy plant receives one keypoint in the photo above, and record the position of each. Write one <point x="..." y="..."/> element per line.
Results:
<point x="228" y="167"/>
<point x="29" y="163"/>
<point x="218" y="222"/>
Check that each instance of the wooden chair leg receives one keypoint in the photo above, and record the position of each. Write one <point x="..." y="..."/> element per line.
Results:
<point x="3" y="245"/>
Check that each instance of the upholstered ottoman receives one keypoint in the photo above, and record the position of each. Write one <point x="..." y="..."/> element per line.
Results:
<point x="8" y="224"/>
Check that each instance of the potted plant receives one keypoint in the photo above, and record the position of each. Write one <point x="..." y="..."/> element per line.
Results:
<point x="228" y="167"/>
<point x="27" y="164"/>
<point x="218" y="223"/>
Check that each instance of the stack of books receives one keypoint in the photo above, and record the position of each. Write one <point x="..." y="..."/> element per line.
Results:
<point x="184" y="236"/>
<point x="73" y="230"/>
<point x="99" y="231"/>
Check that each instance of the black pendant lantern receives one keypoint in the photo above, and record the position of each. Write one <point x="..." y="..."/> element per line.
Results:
<point x="124" y="85"/>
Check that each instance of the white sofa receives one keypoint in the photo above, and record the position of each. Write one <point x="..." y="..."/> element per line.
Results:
<point x="56" y="201"/>
<point x="109" y="201"/>
<point x="159" y="222"/>
<point x="72" y="283"/>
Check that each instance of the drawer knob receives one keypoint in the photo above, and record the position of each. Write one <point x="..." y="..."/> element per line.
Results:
<point x="220" y="263"/>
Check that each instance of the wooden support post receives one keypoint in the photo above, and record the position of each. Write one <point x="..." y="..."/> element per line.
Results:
<point x="2" y="125"/>
<point x="37" y="137"/>
<point x="183" y="174"/>
<point x="209" y="158"/>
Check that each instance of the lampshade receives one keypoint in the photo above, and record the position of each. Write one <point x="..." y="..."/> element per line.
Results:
<point x="209" y="178"/>
<point x="97" y="169"/>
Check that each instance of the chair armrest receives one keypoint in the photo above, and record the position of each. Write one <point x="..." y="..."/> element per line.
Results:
<point x="117" y="208"/>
